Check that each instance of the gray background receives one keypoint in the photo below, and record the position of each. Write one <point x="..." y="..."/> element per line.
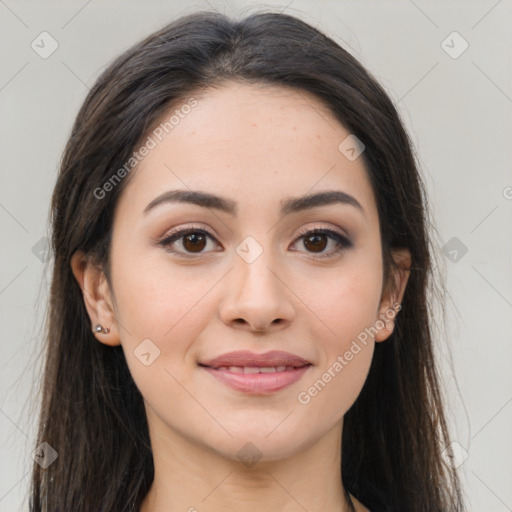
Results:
<point x="457" y="111"/>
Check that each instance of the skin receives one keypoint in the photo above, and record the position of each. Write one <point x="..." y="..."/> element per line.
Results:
<point x="255" y="145"/>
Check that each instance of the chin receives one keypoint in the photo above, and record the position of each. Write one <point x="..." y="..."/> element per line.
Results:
<point x="256" y="448"/>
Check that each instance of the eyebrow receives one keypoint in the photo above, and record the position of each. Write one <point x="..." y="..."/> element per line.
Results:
<point x="288" y="205"/>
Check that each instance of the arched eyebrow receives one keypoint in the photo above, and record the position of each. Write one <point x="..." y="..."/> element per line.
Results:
<point x="288" y="205"/>
<point x="298" y="204"/>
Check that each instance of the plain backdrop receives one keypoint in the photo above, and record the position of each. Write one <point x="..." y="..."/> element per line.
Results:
<point x="456" y="103"/>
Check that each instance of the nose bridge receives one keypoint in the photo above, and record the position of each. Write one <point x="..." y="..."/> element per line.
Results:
<point x="253" y="267"/>
<point x="257" y="293"/>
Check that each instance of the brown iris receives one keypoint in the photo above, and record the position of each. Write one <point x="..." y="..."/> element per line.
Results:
<point x="315" y="242"/>
<point x="194" y="242"/>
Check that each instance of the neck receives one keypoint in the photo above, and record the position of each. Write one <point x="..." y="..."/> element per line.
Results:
<point x="193" y="478"/>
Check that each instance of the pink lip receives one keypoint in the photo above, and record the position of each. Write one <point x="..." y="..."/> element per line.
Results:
<point x="246" y="358"/>
<point x="257" y="383"/>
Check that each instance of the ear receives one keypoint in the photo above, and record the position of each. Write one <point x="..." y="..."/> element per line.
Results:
<point x="97" y="297"/>
<point x="393" y="293"/>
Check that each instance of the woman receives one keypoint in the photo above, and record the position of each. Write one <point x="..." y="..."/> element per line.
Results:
<point x="239" y="315"/>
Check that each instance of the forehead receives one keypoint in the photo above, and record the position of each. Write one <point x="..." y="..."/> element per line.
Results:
<point x="253" y="143"/>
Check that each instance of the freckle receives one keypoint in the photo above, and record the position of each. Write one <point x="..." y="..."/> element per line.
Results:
<point x="254" y="124"/>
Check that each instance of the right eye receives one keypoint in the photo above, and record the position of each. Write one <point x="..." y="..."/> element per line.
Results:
<point x="191" y="240"/>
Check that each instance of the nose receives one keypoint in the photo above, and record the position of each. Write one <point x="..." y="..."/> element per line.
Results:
<point x="257" y="296"/>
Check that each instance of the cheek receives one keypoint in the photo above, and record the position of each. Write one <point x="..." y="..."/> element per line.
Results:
<point x="164" y="317"/>
<point x="156" y="297"/>
<point x="347" y="305"/>
<point x="347" y="298"/>
<point x="160" y="312"/>
<point x="345" y="359"/>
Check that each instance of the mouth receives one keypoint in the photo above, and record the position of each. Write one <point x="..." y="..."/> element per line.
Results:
<point x="257" y="374"/>
<point x="255" y="369"/>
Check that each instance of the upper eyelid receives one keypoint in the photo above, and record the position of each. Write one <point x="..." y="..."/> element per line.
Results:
<point x="181" y="231"/>
<point x="301" y="232"/>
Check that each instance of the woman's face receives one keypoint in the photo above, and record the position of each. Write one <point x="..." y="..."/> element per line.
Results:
<point x="225" y="266"/>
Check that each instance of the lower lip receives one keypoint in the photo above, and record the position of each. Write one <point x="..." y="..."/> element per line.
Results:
<point x="258" y="383"/>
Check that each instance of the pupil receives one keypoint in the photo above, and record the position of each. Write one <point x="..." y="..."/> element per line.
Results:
<point x="315" y="246"/>
<point x="196" y="239"/>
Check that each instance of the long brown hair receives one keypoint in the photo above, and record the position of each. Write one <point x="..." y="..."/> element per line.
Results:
<point x="92" y="413"/>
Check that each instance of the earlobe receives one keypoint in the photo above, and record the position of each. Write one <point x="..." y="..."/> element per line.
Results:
<point x="97" y="298"/>
<point x="383" y="334"/>
<point x="391" y="301"/>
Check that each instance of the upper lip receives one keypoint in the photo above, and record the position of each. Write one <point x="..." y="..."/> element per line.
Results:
<point x="246" y="358"/>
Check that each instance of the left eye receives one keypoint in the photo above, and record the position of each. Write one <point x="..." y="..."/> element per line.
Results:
<point x="316" y="240"/>
<point x="194" y="241"/>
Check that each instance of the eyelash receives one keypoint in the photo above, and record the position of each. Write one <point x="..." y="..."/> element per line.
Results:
<point x="342" y="242"/>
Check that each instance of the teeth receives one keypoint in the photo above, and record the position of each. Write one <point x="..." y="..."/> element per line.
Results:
<point x="236" y="369"/>
<point x="267" y="369"/>
<point x="281" y="368"/>
<point x="251" y="369"/>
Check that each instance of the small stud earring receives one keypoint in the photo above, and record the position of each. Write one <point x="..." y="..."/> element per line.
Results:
<point x="101" y="329"/>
